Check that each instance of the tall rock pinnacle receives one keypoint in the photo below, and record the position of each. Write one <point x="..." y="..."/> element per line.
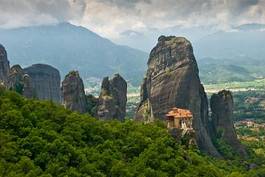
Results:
<point x="113" y="98"/>
<point x="222" y="120"/>
<point x="172" y="80"/>
<point x="4" y="65"/>
<point x="73" y="92"/>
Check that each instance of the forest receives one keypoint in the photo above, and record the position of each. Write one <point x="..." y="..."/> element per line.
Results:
<point x="40" y="138"/>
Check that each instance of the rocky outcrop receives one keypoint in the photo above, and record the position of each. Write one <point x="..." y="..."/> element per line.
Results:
<point x="4" y="65"/>
<point x="28" y="90"/>
<point x="222" y="120"/>
<point x="172" y="80"/>
<point x="73" y="93"/>
<point x="45" y="81"/>
<point x="113" y="98"/>
<point x="15" y="78"/>
<point x="20" y="82"/>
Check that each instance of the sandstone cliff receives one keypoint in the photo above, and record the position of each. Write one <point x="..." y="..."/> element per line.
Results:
<point x="28" y="90"/>
<point x="4" y="65"/>
<point x="73" y="93"/>
<point x="113" y="98"/>
<point x="222" y="120"/>
<point x="45" y="81"/>
<point x="20" y="82"/>
<point x="15" y="78"/>
<point x="172" y="80"/>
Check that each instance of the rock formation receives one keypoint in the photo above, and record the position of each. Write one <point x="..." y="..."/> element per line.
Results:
<point x="4" y="65"/>
<point x="172" y="80"/>
<point x="73" y="93"/>
<point x="15" y="78"/>
<point x="20" y="82"/>
<point x="28" y="90"/>
<point x="45" y="81"/>
<point x="113" y="98"/>
<point x="222" y="120"/>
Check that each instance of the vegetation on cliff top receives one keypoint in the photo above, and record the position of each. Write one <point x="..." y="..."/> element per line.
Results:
<point x="39" y="138"/>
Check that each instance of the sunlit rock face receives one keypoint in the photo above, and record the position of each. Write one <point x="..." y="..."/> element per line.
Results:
<point x="222" y="120"/>
<point x="4" y="65"/>
<point x="73" y="92"/>
<point x="172" y="80"/>
<point x="45" y="81"/>
<point x="113" y="98"/>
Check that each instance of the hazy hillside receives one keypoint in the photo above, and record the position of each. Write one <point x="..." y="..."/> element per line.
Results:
<point x="230" y="69"/>
<point x="246" y="40"/>
<point x="238" y="55"/>
<point x="68" y="47"/>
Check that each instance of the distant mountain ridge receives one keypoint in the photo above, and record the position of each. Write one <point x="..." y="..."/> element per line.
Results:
<point x="250" y="27"/>
<point x="230" y="44"/>
<point x="236" y="55"/>
<point x="68" y="47"/>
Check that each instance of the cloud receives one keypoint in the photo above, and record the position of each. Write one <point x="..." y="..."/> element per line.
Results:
<point x="131" y="33"/>
<point x="111" y="18"/>
<point x="124" y="3"/>
<point x="15" y="13"/>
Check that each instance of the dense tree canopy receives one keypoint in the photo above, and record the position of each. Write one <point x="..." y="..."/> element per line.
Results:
<point x="39" y="138"/>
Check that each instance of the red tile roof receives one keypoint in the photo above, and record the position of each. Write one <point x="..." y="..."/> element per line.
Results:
<point x="179" y="113"/>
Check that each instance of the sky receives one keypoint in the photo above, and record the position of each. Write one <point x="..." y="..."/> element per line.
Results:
<point x="125" y="21"/>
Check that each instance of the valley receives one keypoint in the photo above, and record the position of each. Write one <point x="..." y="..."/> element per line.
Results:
<point x="249" y="97"/>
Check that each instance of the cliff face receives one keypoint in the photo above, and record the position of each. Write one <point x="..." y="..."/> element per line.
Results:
<point x="45" y="81"/>
<point x="4" y="65"/>
<point x="222" y="120"/>
<point x="20" y="82"/>
<point x="73" y="93"/>
<point x="172" y="80"/>
<point x="113" y="98"/>
<point x="28" y="90"/>
<point x="15" y="78"/>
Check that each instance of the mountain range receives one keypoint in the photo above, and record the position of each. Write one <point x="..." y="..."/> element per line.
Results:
<point x="69" y="47"/>
<point x="235" y="55"/>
